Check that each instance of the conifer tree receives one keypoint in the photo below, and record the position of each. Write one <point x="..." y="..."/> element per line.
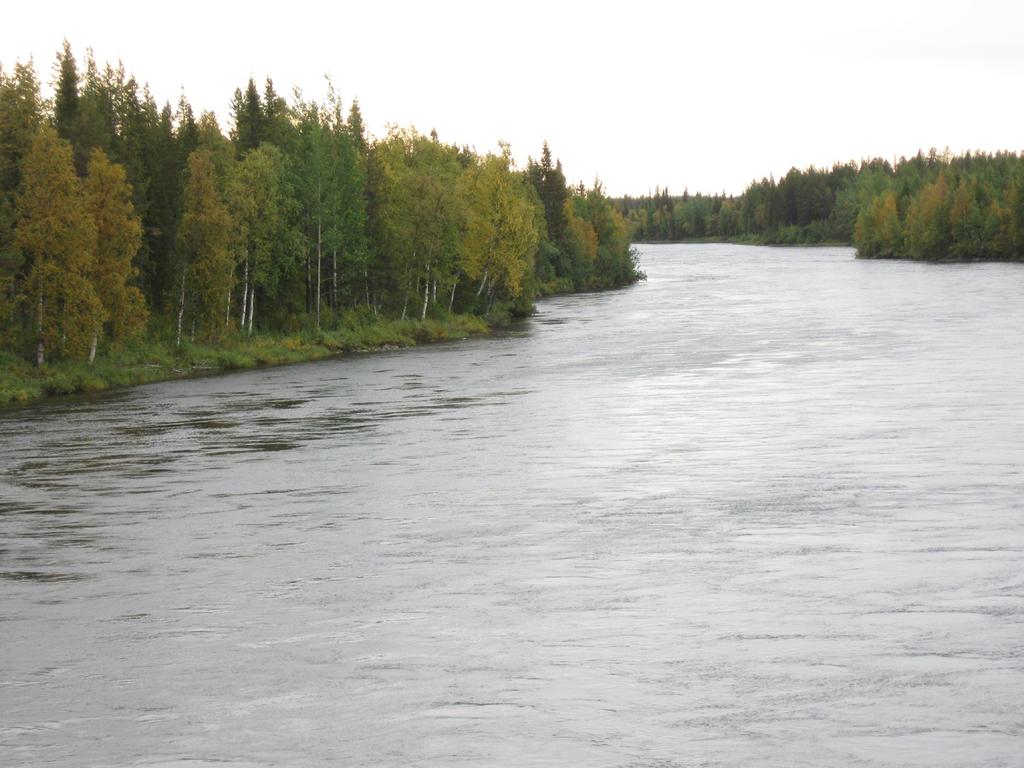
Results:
<point x="248" y="118"/>
<point x="65" y="98"/>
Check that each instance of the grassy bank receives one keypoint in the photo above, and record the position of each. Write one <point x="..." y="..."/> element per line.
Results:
<point x="148" y="360"/>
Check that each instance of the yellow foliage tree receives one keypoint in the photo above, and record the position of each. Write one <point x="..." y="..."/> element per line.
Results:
<point x="58" y="238"/>
<point x="205" y="241"/>
<point x="878" y="233"/>
<point x="119" y="235"/>
<point x="501" y="229"/>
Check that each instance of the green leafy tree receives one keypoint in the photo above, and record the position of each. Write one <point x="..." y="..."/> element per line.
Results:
<point x="346" y="230"/>
<point x="204" y="244"/>
<point x="418" y="213"/>
<point x="266" y="237"/>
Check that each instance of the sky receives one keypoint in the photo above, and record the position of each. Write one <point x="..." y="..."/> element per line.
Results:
<point x="704" y="96"/>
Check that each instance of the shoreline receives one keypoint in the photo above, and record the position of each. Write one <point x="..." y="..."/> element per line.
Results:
<point x="743" y="241"/>
<point x="147" y="362"/>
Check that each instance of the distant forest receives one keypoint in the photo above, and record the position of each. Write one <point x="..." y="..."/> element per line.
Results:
<point x="933" y="206"/>
<point x="122" y="219"/>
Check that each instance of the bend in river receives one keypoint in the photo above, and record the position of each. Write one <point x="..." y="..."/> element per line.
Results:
<point x="765" y="509"/>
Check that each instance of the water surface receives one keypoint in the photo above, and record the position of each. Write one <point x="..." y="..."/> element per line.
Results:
<point x="765" y="509"/>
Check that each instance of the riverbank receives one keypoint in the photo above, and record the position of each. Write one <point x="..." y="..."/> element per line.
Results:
<point x="750" y="240"/>
<point x="146" y="361"/>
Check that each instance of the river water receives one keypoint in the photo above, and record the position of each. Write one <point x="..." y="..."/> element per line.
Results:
<point x="765" y="509"/>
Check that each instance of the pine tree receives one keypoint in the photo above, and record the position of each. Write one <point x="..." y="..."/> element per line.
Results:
<point x="275" y="120"/>
<point x="186" y="133"/>
<point x="65" y="99"/>
<point x="356" y="129"/>
<point x="247" y="115"/>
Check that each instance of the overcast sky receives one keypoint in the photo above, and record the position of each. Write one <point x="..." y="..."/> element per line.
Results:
<point x="706" y="96"/>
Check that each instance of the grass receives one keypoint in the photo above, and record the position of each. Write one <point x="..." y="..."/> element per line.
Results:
<point x="149" y="360"/>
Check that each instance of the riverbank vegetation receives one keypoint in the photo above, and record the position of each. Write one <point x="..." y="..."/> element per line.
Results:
<point x="933" y="206"/>
<point x="142" y="360"/>
<point x="133" y="235"/>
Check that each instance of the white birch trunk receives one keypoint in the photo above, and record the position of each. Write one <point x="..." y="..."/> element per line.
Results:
<point x="245" y="291"/>
<point x="319" y="260"/>
<point x="181" y="307"/>
<point x="426" y="295"/>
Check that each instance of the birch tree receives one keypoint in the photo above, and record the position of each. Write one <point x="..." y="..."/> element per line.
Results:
<point x="108" y="198"/>
<point x="204" y="244"/>
<point x="266" y="240"/>
<point x="58" y="238"/>
<point x="501" y="228"/>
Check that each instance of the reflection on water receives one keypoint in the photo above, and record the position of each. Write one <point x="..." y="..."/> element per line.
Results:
<point x="765" y="509"/>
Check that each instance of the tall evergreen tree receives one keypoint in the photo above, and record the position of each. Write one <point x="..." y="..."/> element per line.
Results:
<point x="248" y="119"/>
<point x="65" y="98"/>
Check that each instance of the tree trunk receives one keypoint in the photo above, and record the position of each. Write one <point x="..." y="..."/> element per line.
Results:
<point x="426" y="295"/>
<point x="252" y="307"/>
<point x="181" y="307"/>
<point x="40" y="348"/>
<point x="245" y="291"/>
<point x="334" y="280"/>
<point x="227" y="315"/>
<point x="319" y="259"/>
<point x="483" y="283"/>
<point x="92" y="347"/>
<point x="451" y="301"/>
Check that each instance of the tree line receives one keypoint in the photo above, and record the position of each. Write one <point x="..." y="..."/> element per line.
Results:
<point x="119" y="218"/>
<point x="932" y="206"/>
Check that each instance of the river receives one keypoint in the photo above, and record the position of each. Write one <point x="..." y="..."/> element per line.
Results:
<point x="765" y="509"/>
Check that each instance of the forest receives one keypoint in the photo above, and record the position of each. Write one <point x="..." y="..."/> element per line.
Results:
<point x="125" y="225"/>
<point x="933" y="206"/>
